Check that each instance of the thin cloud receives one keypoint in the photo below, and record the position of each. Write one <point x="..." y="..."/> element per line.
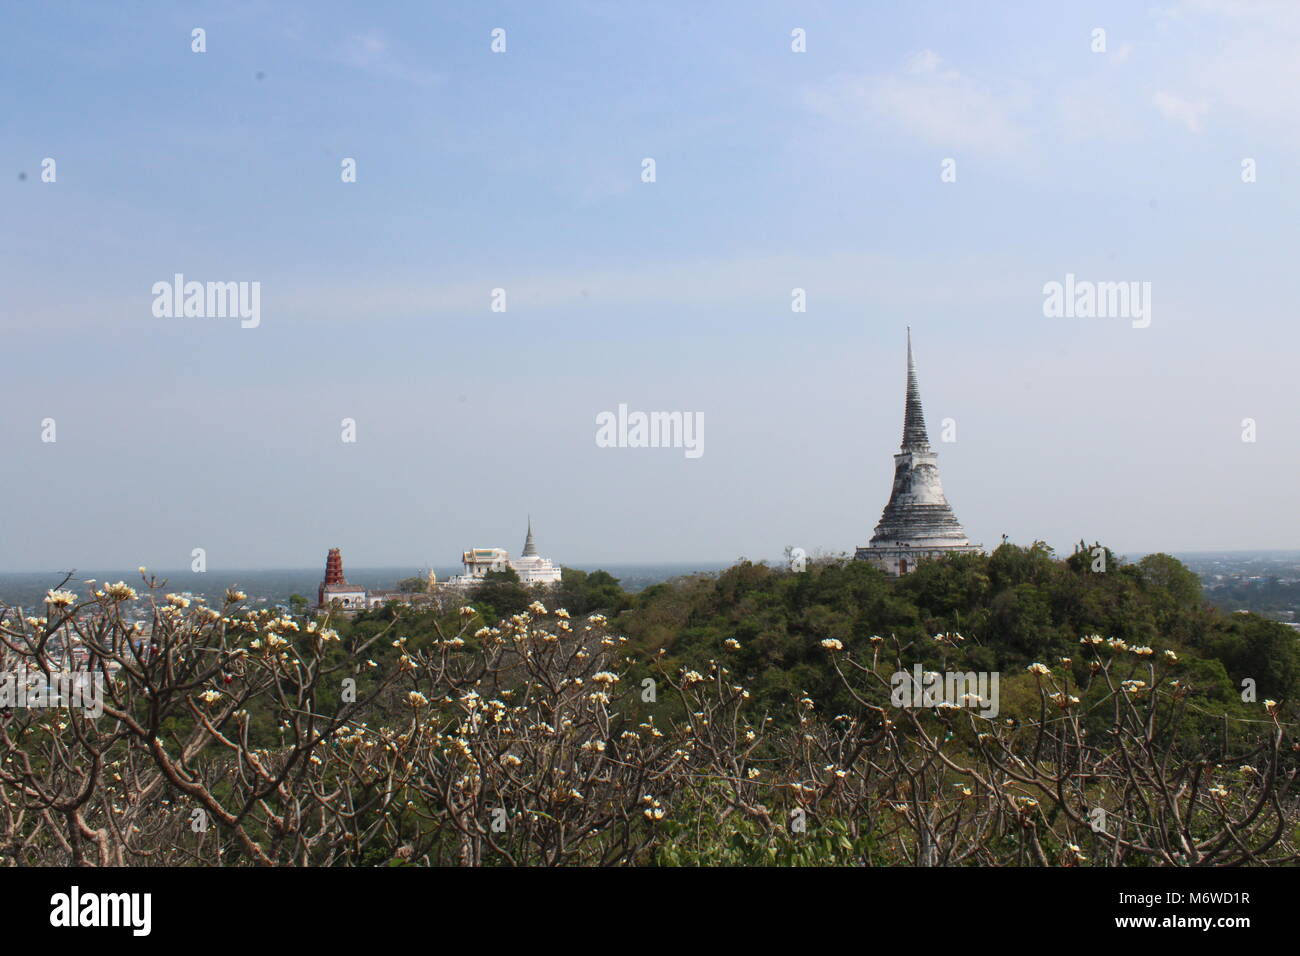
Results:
<point x="371" y="53"/>
<point x="1179" y="110"/>
<point x="1249" y="72"/>
<point x="929" y="100"/>
<point x="858" y="279"/>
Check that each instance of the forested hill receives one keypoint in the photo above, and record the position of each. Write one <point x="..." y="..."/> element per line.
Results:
<point x="1012" y="607"/>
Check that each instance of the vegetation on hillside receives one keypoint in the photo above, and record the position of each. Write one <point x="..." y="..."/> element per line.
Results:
<point x="1013" y="607"/>
<point x="751" y="717"/>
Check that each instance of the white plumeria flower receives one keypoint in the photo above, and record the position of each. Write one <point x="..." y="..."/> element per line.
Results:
<point x="60" y="598"/>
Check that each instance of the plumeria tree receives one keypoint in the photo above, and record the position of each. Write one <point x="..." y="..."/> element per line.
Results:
<point x="236" y="736"/>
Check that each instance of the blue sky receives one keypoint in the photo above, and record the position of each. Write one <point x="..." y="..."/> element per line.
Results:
<point x="521" y="170"/>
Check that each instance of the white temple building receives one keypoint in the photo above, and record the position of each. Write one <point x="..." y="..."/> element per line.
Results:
<point x="531" y="567"/>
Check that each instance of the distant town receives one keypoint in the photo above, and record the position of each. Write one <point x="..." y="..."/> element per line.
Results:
<point x="1265" y="582"/>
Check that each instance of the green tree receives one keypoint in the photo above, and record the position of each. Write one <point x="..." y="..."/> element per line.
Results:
<point x="501" y="595"/>
<point x="1166" y="573"/>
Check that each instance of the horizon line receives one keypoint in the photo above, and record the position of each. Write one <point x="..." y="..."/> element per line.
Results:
<point x="595" y="565"/>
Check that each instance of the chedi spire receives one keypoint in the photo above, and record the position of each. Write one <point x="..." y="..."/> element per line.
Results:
<point x="917" y="522"/>
<point x="914" y="435"/>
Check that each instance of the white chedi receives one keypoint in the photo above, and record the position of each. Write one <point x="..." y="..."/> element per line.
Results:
<point x="531" y="567"/>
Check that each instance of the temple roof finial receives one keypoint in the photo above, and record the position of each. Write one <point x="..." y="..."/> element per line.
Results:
<point x="914" y="434"/>
<point x="530" y="549"/>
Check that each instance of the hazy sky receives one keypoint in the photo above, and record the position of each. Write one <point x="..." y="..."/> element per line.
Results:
<point x="522" y="170"/>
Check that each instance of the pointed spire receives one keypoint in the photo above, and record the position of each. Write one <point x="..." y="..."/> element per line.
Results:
<point x="333" y="575"/>
<point x="914" y="434"/>
<point x="334" y="567"/>
<point x="918" y="522"/>
<point x="530" y="549"/>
